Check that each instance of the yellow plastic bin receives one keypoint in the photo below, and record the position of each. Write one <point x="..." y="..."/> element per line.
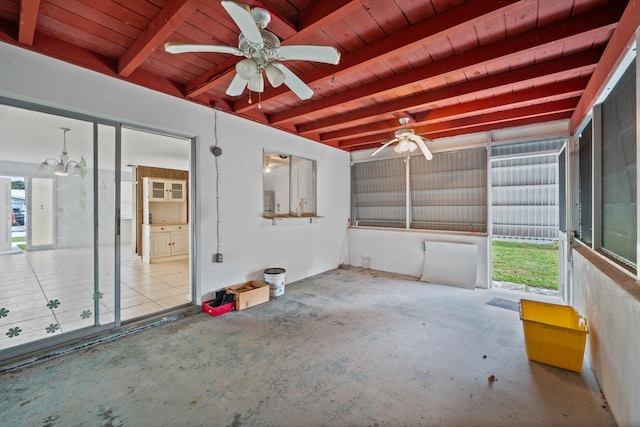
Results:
<point x="553" y="334"/>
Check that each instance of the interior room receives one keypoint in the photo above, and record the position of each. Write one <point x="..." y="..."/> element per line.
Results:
<point x="171" y="150"/>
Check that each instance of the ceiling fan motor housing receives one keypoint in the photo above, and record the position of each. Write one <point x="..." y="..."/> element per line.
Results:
<point x="262" y="55"/>
<point x="404" y="132"/>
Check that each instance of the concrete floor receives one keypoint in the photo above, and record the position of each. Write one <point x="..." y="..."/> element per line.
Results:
<point x="347" y="347"/>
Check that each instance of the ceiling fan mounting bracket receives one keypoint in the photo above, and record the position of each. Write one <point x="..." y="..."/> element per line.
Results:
<point x="261" y="16"/>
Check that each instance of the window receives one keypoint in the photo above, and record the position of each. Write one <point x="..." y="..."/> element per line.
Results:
<point x="448" y="192"/>
<point x="619" y="204"/>
<point x="289" y="186"/>
<point x="379" y="193"/>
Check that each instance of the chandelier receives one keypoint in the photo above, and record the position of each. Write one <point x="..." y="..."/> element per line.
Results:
<point x="64" y="166"/>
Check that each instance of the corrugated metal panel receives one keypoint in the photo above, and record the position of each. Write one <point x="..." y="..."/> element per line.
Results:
<point x="525" y="198"/>
<point x="379" y="193"/>
<point x="530" y="147"/>
<point x="449" y="192"/>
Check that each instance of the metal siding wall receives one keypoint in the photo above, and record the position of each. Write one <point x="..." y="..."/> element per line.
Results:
<point x="524" y="194"/>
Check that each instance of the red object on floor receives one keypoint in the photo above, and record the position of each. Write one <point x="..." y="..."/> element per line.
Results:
<point x="219" y="310"/>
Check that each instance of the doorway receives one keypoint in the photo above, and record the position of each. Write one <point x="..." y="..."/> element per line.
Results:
<point x="525" y="212"/>
<point x="76" y="273"/>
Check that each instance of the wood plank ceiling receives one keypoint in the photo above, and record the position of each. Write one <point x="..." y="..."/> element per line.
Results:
<point x="451" y="66"/>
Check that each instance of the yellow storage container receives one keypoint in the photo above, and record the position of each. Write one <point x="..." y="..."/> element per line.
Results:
<point x="553" y="334"/>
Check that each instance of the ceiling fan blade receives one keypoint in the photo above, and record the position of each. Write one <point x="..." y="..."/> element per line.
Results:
<point x="256" y="84"/>
<point x="241" y="15"/>
<point x="384" y="146"/>
<point x="294" y="83"/>
<point x="237" y="85"/>
<point x="326" y="54"/>
<point x="425" y="150"/>
<point x="172" y="47"/>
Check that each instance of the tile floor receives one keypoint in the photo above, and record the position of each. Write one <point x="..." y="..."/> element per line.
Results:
<point x="49" y="292"/>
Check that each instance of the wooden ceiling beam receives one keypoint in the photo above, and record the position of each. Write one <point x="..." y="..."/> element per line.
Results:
<point x="324" y="12"/>
<point x="28" y="18"/>
<point x="528" y="41"/>
<point x="438" y="26"/>
<point x="579" y="62"/>
<point x="491" y="120"/>
<point x="166" y="21"/>
<point x="566" y="89"/>
<point x="622" y="38"/>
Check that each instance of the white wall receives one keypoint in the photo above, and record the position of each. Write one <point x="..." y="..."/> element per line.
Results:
<point x="402" y="252"/>
<point x="249" y="243"/>
<point x="610" y="301"/>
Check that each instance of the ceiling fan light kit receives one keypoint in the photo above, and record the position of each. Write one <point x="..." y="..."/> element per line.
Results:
<point x="407" y="141"/>
<point x="262" y="51"/>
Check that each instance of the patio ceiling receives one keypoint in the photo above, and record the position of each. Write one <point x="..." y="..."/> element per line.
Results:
<point x="452" y="67"/>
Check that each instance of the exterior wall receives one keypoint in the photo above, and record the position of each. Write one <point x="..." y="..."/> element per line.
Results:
<point x="400" y="251"/>
<point x="610" y="301"/>
<point x="249" y="243"/>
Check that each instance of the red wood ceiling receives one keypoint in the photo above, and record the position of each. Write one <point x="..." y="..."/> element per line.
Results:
<point x="451" y="66"/>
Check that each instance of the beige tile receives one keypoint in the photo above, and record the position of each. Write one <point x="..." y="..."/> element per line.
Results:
<point x="74" y="305"/>
<point x="173" y="301"/>
<point x="140" y="310"/>
<point x="19" y="290"/>
<point x="23" y="338"/>
<point x="133" y="301"/>
<point x="75" y="316"/>
<point x="30" y="325"/>
<point x="77" y="324"/>
<point x="31" y="298"/>
<point x="24" y="313"/>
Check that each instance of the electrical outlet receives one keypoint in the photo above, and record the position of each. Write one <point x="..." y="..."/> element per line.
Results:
<point x="217" y="257"/>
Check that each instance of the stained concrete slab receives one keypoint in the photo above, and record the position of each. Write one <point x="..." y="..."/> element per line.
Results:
<point x="347" y="347"/>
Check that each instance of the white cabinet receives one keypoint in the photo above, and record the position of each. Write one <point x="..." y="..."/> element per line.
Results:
<point x="164" y="201"/>
<point x="165" y="230"/>
<point x="164" y="242"/>
<point x="165" y="190"/>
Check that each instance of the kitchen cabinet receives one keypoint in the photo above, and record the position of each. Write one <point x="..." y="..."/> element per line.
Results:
<point x="165" y="190"/>
<point x="165" y="229"/>
<point x="164" y="242"/>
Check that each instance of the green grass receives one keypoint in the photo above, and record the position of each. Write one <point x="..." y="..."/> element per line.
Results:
<point x="22" y="246"/>
<point x="526" y="263"/>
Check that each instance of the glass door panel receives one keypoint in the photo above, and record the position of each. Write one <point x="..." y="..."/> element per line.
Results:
<point x="49" y="287"/>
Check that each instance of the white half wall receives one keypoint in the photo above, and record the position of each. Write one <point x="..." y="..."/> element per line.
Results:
<point x="401" y="251"/>
<point x="610" y="301"/>
<point x="249" y="243"/>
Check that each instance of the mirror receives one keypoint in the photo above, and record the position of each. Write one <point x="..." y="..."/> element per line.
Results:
<point x="289" y="185"/>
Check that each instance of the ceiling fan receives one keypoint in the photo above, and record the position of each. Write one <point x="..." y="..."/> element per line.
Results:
<point x="262" y="51"/>
<point x="407" y="141"/>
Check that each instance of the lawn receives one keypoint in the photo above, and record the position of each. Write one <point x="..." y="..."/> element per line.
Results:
<point x="526" y="263"/>
<point x="22" y="241"/>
